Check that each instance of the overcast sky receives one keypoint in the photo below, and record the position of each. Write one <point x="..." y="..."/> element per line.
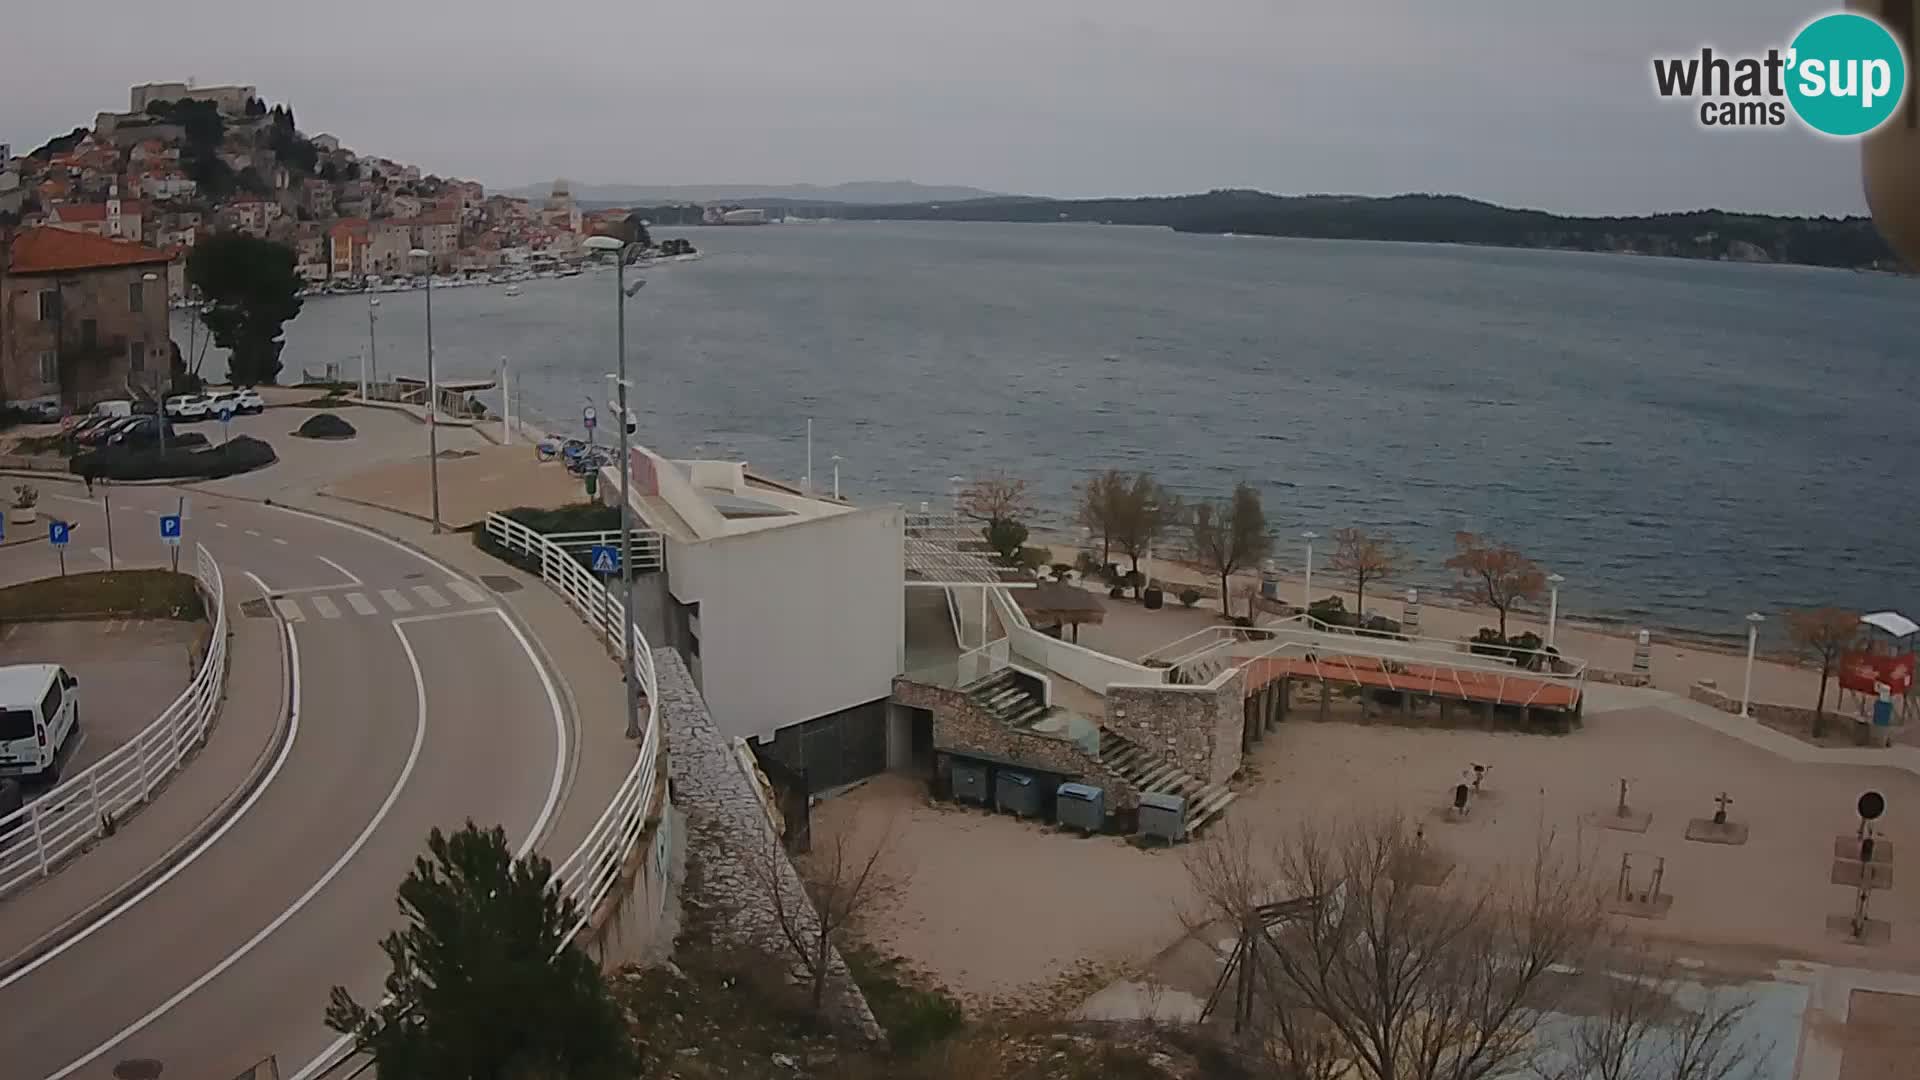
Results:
<point x="1546" y="104"/>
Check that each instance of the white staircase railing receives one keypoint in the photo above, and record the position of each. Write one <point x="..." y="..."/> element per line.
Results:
<point x="589" y="874"/>
<point x="37" y="837"/>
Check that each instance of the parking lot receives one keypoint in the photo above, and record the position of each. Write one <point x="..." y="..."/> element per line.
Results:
<point x="129" y="670"/>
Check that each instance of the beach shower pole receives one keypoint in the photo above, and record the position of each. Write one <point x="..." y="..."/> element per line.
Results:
<point x="1554" y="582"/>
<point x="1754" y="619"/>
<point x="1307" y="599"/>
<point x="433" y="395"/>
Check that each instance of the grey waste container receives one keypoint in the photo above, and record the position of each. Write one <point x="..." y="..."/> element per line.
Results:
<point x="1017" y="792"/>
<point x="1080" y="806"/>
<point x="1163" y="816"/>
<point x="970" y="783"/>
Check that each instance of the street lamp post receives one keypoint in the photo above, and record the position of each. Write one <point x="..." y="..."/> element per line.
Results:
<point x="433" y="395"/>
<point x="1754" y="619"/>
<point x="1307" y="601"/>
<point x="620" y="296"/>
<point x="1554" y="582"/>
<point x="164" y="380"/>
<point x="372" y="365"/>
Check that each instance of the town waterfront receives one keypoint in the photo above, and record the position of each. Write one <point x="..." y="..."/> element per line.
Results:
<point x="1684" y="441"/>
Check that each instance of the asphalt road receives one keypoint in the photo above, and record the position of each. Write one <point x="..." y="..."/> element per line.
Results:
<point x="418" y="704"/>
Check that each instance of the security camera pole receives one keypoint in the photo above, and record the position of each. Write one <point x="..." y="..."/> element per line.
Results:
<point x="620" y="296"/>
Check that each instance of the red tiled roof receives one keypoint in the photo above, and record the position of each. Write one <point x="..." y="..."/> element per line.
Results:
<point x="48" y="250"/>
<point x="95" y="211"/>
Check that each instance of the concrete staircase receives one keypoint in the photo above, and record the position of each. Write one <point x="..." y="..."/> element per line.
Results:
<point x="1200" y="671"/>
<point x="1149" y="773"/>
<point x="1007" y="698"/>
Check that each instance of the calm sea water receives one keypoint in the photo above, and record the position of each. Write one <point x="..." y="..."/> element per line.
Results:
<point x="1684" y="441"/>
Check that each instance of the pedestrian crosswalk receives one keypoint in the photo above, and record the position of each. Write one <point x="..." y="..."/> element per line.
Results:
<point x="323" y="606"/>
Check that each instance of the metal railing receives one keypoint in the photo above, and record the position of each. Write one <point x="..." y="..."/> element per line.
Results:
<point x="72" y="814"/>
<point x="589" y="874"/>
<point x="648" y="551"/>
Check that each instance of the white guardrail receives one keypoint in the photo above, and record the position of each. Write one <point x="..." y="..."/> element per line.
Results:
<point x="589" y="874"/>
<point x="70" y="815"/>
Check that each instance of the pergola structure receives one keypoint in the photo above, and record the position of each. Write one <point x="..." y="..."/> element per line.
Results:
<point x="1055" y="603"/>
<point x="945" y="552"/>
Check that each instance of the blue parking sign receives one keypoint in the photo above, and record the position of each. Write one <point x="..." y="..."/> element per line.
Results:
<point x="170" y="529"/>
<point x="605" y="559"/>
<point x="57" y="533"/>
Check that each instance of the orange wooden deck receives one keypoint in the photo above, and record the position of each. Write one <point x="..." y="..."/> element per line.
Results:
<point x="1460" y="684"/>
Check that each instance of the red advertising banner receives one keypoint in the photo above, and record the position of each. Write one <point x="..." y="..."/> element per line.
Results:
<point x="640" y="465"/>
<point x="1863" y="672"/>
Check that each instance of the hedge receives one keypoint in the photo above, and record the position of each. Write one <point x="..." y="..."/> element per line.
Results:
<point x="242" y="453"/>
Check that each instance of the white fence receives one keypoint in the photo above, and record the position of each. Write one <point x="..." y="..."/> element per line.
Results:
<point x="1094" y="670"/>
<point x="69" y="816"/>
<point x="648" y="553"/>
<point x="589" y="874"/>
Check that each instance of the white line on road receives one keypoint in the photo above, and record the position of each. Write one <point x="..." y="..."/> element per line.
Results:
<point x="293" y="732"/>
<point x="279" y="541"/>
<point x="324" y="606"/>
<point x="253" y="532"/>
<point x="220" y="525"/>
<point x="344" y="572"/>
<point x="72" y="499"/>
<point x="289" y="610"/>
<point x="360" y="604"/>
<point x="393" y="796"/>
<point x="466" y="592"/>
<point x="103" y="555"/>
<point x="432" y="598"/>
<point x="395" y="600"/>
<point x="153" y="513"/>
<point x="326" y="1057"/>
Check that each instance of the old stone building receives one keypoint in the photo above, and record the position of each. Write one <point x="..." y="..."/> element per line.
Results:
<point x="80" y="317"/>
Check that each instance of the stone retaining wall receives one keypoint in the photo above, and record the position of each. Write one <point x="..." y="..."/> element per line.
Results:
<point x="1198" y="729"/>
<point x="728" y="829"/>
<point x="1707" y="693"/>
<point x="961" y="726"/>
<point x="1621" y="678"/>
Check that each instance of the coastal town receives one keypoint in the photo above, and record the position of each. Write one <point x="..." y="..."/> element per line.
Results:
<point x="183" y="162"/>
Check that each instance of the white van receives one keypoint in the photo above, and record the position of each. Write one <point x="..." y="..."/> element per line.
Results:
<point x="113" y="408"/>
<point x="39" y="712"/>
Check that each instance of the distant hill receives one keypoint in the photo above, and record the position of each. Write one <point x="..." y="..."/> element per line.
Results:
<point x="863" y="192"/>
<point x="1442" y="219"/>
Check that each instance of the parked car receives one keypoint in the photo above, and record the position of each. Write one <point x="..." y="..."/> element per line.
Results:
<point x="187" y="407"/>
<point x="113" y="408"/>
<point x="86" y="424"/>
<point x="220" y="401"/>
<point x="98" y="434"/>
<point x="143" y="431"/>
<point x="39" y="712"/>
<point x="251" y="401"/>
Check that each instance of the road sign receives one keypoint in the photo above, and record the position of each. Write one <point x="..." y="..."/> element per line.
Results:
<point x="605" y="559"/>
<point x="589" y="417"/>
<point x="170" y="529"/>
<point x="57" y="533"/>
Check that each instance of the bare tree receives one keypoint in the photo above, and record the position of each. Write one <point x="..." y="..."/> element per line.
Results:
<point x="1229" y="536"/>
<point x="1823" y="634"/>
<point x="1644" y="1027"/>
<point x="815" y="902"/>
<point x="996" y="497"/>
<point x="1097" y="495"/>
<point x="1376" y="976"/>
<point x="1364" y="557"/>
<point x="1495" y="574"/>
<point x="1144" y="513"/>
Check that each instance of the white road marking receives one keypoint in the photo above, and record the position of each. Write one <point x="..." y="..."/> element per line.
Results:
<point x="324" y="606"/>
<point x="433" y="599"/>
<point x="279" y="541"/>
<point x="153" y="513"/>
<point x="360" y="604"/>
<point x="293" y="733"/>
<point x="71" y="498"/>
<point x="395" y="600"/>
<point x="220" y="525"/>
<point x="393" y="796"/>
<point x="289" y="610"/>
<point x="327" y="1057"/>
<point x="253" y="532"/>
<point x="102" y="554"/>
<point x="466" y="592"/>
<point x="344" y="572"/>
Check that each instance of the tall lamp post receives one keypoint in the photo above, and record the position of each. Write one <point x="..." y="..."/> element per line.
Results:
<point x="433" y="395"/>
<point x="370" y="370"/>
<point x="1309" y="536"/>
<point x="1554" y="581"/>
<point x="1754" y="619"/>
<point x="621" y="294"/>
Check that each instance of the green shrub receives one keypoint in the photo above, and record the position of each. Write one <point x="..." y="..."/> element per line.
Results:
<point x="242" y="453"/>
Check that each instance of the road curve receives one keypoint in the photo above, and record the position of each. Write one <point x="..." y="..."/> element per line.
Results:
<point x="419" y="703"/>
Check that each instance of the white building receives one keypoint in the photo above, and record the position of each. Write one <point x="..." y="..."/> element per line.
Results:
<point x="789" y="607"/>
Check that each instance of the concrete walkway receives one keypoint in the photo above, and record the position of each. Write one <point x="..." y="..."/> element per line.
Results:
<point x="1602" y="698"/>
